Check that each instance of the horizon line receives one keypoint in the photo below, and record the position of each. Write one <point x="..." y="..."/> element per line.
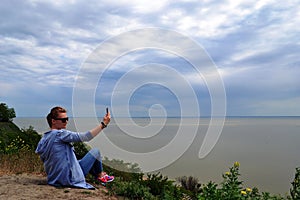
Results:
<point x="206" y="116"/>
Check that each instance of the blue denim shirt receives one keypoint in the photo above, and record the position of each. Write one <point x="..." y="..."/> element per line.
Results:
<point x="60" y="162"/>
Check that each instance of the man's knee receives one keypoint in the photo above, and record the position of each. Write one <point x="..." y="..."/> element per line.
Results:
<point x="96" y="153"/>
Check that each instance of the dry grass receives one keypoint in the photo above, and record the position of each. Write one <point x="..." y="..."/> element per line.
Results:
<point x="22" y="176"/>
<point x="21" y="162"/>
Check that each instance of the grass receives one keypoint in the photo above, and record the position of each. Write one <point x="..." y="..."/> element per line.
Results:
<point x="17" y="150"/>
<point x="21" y="162"/>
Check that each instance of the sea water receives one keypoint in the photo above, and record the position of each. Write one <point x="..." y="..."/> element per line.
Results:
<point x="268" y="148"/>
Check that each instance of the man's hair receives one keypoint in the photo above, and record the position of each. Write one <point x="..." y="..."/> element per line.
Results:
<point x="54" y="114"/>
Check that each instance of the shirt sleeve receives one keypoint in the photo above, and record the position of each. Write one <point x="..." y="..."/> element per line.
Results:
<point x="69" y="136"/>
<point x="87" y="136"/>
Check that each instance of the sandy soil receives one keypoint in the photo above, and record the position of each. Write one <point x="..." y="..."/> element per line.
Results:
<point x="31" y="186"/>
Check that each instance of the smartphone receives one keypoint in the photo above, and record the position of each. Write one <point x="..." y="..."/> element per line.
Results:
<point x="106" y="110"/>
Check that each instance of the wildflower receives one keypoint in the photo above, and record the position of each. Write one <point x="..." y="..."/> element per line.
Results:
<point x="227" y="173"/>
<point x="236" y="164"/>
<point x="248" y="189"/>
<point x="243" y="192"/>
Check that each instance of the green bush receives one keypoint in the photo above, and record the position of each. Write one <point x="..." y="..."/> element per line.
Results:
<point x="81" y="149"/>
<point x="190" y="185"/>
<point x="295" y="190"/>
<point x="8" y="132"/>
<point x="17" y="149"/>
<point x="162" y="187"/>
<point x="210" y="192"/>
<point x="12" y="139"/>
<point x="157" y="186"/>
<point x="16" y="145"/>
<point x="131" y="190"/>
<point x="232" y="188"/>
<point x="30" y="137"/>
<point x="231" y="185"/>
<point x="6" y="113"/>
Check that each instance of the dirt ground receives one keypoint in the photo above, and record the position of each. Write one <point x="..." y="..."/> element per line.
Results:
<point x="32" y="186"/>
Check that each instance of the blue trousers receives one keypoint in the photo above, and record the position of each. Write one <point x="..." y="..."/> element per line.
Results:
<point x="91" y="163"/>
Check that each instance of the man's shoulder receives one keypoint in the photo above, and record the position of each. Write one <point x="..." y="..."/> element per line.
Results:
<point x="55" y="131"/>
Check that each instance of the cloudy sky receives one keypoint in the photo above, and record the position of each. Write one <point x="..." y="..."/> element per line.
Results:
<point x="253" y="44"/>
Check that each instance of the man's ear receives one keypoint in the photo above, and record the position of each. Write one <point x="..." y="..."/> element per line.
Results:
<point x="52" y="120"/>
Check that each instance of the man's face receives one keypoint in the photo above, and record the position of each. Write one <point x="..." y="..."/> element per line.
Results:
<point x="60" y="122"/>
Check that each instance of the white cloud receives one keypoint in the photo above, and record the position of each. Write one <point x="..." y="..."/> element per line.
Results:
<point x="45" y="42"/>
<point x="140" y="6"/>
<point x="208" y="20"/>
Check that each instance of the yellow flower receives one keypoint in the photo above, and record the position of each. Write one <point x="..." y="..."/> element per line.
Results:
<point x="248" y="189"/>
<point x="243" y="192"/>
<point x="236" y="164"/>
<point x="227" y="173"/>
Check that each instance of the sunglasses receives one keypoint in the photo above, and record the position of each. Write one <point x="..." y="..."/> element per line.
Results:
<point x="63" y="120"/>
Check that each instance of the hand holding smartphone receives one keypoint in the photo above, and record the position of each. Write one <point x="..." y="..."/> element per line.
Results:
<point x="106" y="119"/>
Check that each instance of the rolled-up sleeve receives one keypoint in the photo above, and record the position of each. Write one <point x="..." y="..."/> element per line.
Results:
<point x="69" y="136"/>
<point x="87" y="136"/>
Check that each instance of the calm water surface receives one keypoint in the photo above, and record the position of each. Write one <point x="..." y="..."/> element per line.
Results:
<point x="268" y="149"/>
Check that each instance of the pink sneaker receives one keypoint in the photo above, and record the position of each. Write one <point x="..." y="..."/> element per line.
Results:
<point x="106" y="179"/>
<point x="109" y="178"/>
